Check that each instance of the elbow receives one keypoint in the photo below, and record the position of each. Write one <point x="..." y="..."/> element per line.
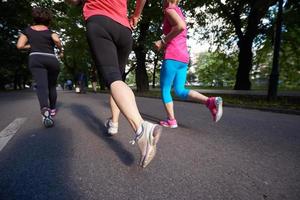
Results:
<point x="19" y="46"/>
<point x="181" y="27"/>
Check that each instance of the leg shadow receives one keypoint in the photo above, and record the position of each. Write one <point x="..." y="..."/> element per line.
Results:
<point x="96" y="125"/>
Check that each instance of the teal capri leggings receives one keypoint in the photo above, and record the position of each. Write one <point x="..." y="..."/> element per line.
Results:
<point x="173" y="72"/>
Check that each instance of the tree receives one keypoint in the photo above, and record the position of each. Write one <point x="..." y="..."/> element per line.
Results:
<point x="216" y="69"/>
<point x="273" y="82"/>
<point x="289" y="60"/>
<point x="11" y="60"/>
<point x="238" y="22"/>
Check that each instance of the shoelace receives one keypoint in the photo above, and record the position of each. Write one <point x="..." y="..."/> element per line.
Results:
<point x="136" y="138"/>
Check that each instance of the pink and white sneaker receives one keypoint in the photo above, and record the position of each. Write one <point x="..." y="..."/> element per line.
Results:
<point x="53" y="112"/>
<point x="170" y="123"/>
<point x="215" y="105"/>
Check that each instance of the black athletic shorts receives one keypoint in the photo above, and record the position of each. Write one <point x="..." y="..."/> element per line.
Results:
<point x="110" y="44"/>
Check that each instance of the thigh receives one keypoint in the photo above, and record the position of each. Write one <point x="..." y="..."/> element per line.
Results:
<point x="124" y="47"/>
<point x="53" y="70"/>
<point x="40" y="76"/>
<point x="167" y="73"/>
<point x="103" y="48"/>
<point x="181" y="73"/>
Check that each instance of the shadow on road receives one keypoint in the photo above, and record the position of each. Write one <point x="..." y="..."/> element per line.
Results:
<point x="95" y="125"/>
<point x="39" y="167"/>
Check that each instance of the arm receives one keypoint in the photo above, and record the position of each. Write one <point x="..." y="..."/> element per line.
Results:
<point x="74" y="2"/>
<point x="178" y="25"/>
<point x="134" y="19"/>
<point x="22" y="42"/>
<point x="57" y="42"/>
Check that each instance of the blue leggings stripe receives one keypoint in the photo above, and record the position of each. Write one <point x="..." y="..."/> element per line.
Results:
<point x="173" y="72"/>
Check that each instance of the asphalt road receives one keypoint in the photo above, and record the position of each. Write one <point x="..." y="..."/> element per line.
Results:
<point x="248" y="155"/>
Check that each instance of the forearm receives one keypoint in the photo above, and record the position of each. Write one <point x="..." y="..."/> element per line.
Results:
<point x="23" y="47"/>
<point x="59" y="46"/>
<point x="175" y="31"/>
<point x="139" y="7"/>
<point x="74" y="2"/>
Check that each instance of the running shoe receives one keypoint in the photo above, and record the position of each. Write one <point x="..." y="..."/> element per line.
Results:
<point x="170" y="123"/>
<point x="53" y="112"/>
<point x="112" y="128"/>
<point x="147" y="141"/>
<point x="46" y="117"/>
<point x="215" y="105"/>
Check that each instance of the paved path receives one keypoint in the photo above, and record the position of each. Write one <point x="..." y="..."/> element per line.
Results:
<point x="248" y="155"/>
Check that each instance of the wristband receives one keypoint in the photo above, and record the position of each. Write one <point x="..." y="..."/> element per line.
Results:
<point x="163" y="39"/>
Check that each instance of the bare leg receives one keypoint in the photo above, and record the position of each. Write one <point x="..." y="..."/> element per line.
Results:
<point x="193" y="95"/>
<point x="170" y="110"/>
<point x="115" y="111"/>
<point x="196" y="96"/>
<point x="125" y="101"/>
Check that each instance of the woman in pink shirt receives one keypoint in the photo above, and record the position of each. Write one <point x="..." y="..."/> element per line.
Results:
<point x="109" y="37"/>
<point x="175" y="64"/>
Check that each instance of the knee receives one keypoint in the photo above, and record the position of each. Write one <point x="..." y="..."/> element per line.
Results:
<point x="181" y="92"/>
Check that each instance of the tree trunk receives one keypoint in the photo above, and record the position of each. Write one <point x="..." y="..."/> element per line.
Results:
<point x="101" y="81"/>
<point x="273" y="81"/>
<point x="141" y="77"/>
<point x="245" y="65"/>
<point x="154" y="71"/>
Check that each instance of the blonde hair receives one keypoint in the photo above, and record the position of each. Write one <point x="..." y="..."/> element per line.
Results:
<point x="173" y="1"/>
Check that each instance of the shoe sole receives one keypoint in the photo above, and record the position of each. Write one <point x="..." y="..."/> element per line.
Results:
<point x="109" y="133"/>
<point x="47" y="121"/>
<point x="168" y="126"/>
<point x="151" y="146"/>
<point x="172" y="126"/>
<point x="219" y="106"/>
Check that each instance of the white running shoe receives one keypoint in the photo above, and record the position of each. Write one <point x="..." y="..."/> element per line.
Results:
<point x="46" y="117"/>
<point x="112" y="128"/>
<point x="147" y="141"/>
<point x="215" y="105"/>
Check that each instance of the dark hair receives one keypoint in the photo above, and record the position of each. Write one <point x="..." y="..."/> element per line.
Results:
<point x="41" y="16"/>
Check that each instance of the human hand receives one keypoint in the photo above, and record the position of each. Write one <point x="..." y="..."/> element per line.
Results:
<point x="61" y="55"/>
<point x="158" y="45"/>
<point x="133" y="21"/>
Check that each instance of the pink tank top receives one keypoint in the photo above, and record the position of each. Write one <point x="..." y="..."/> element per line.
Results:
<point x="176" y="49"/>
<point x="116" y="10"/>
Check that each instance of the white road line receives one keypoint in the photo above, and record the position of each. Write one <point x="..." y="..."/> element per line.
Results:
<point x="7" y="133"/>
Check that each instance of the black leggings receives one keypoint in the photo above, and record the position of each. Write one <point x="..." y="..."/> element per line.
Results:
<point x="110" y="44"/>
<point x="45" y="70"/>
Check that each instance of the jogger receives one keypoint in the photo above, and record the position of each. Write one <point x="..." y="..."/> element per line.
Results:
<point x="43" y="64"/>
<point x="110" y="41"/>
<point x="175" y="64"/>
<point x="45" y="70"/>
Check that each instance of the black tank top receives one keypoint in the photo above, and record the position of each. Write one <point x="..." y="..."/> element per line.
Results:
<point x="40" y="41"/>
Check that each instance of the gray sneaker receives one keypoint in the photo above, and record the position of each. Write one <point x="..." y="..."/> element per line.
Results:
<point x="46" y="118"/>
<point x="112" y="128"/>
<point x="147" y="141"/>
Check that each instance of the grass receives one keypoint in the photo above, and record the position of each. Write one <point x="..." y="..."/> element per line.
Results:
<point x="282" y="104"/>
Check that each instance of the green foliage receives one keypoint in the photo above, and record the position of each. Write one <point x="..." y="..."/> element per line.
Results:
<point x="290" y="51"/>
<point x="216" y="69"/>
<point x="15" y="15"/>
<point x="289" y="59"/>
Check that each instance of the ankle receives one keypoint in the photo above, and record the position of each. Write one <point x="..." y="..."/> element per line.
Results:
<point x="139" y="130"/>
<point x="207" y="102"/>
